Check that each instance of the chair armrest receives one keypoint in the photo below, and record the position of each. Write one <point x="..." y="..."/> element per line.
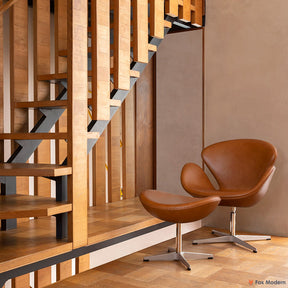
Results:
<point x="193" y="178"/>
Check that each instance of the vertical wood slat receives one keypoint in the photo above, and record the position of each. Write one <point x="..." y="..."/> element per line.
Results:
<point x="19" y="77"/>
<point x="197" y="15"/>
<point x="42" y="277"/>
<point x="114" y="151"/>
<point x="41" y="27"/>
<point x="77" y="121"/>
<point x="64" y="269"/>
<point x="19" y="82"/>
<point x="122" y="10"/>
<point x="171" y="7"/>
<point x="82" y="263"/>
<point x="156" y="18"/>
<point x="18" y="17"/>
<point x="60" y="67"/>
<point x="128" y="149"/>
<point x="21" y="281"/>
<point x="41" y="15"/>
<point x="99" y="171"/>
<point x="100" y="43"/>
<point x="140" y="30"/>
<point x="185" y="11"/>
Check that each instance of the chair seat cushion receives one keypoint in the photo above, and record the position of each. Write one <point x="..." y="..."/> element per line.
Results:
<point x="177" y="208"/>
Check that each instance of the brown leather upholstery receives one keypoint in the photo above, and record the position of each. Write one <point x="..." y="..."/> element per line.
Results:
<point x="177" y="208"/>
<point x="243" y="169"/>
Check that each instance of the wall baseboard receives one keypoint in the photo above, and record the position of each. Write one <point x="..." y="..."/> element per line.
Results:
<point x="136" y="244"/>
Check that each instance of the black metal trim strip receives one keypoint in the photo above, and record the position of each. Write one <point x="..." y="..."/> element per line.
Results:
<point x="5" y="276"/>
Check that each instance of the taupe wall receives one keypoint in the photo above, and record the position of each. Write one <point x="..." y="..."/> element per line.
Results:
<point x="247" y="94"/>
<point x="178" y="107"/>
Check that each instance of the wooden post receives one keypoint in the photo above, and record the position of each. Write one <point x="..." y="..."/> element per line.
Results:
<point x="100" y="43"/>
<point x="41" y="22"/>
<point x="64" y="269"/>
<point x="19" y="76"/>
<point x="99" y="171"/>
<point x="122" y="44"/>
<point x="41" y="26"/>
<point x="60" y="67"/>
<point x="157" y="18"/>
<point x="82" y="263"/>
<point x="171" y="7"/>
<point x="198" y="14"/>
<point x="77" y="121"/>
<point x="128" y="149"/>
<point x="140" y="30"/>
<point x="185" y="11"/>
<point x="114" y="151"/>
<point x="18" y="17"/>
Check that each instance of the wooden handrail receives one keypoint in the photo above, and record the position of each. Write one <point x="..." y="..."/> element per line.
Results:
<point x="6" y="6"/>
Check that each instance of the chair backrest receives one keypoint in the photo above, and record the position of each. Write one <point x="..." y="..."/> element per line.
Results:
<point x="239" y="164"/>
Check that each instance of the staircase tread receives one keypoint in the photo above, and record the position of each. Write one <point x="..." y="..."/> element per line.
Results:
<point x="63" y="53"/>
<point x="64" y="76"/>
<point x="41" y="104"/>
<point x="33" y="136"/>
<point x="55" y="103"/>
<point x="93" y="135"/>
<point x="22" y="206"/>
<point x="28" y="169"/>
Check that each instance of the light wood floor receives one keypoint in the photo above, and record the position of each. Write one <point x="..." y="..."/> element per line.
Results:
<point x="232" y="266"/>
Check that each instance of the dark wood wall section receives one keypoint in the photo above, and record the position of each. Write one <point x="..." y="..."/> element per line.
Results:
<point x="129" y="144"/>
<point x="145" y="129"/>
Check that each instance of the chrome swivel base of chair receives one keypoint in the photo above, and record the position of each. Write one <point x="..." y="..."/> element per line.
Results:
<point x="177" y="254"/>
<point x="232" y="237"/>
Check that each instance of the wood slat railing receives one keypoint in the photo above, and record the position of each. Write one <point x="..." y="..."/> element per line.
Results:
<point x="100" y="46"/>
<point x="117" y="156"/>
<point x="122" y="10"/>
<point x="156" y="19"/>
<point x="140" y="30"/>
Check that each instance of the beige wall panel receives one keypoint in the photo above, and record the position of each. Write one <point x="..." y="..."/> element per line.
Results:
<point x="179" y="107"/>
<point x="246" y="95"/>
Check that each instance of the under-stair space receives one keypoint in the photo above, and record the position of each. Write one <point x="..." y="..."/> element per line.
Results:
<point x="82" y="127"/>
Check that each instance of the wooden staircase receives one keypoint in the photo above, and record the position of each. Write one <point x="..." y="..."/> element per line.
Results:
<point x="116" y="57"/>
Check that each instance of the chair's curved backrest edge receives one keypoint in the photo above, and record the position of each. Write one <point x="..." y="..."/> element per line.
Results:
<point x="240" y="163"/>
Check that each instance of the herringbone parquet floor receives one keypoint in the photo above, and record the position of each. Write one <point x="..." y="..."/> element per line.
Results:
<point x="232" y="266"/>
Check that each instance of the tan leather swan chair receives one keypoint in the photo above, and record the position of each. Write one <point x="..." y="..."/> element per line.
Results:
<point x="177" y="209"/>
<point x="243" y="170"/>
